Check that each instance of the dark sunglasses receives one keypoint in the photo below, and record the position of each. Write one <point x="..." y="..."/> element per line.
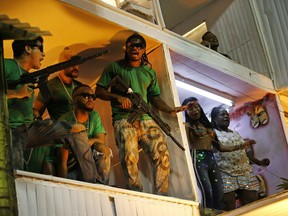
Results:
<point x="87" y="96"/>
<point x="40" y="47"/>
<point x="138" y="45"/>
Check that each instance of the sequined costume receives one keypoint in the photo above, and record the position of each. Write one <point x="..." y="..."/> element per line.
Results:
<point x="209" y="177"/>
<point x="236" y="171"/>
<point x="202" y="139"/>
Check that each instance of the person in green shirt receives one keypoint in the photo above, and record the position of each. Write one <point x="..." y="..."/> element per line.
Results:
<point x="136" y="71"/>
<point x="28" y="55"/>
<point x="68" y="156"/>
<point x="60" y="87"/>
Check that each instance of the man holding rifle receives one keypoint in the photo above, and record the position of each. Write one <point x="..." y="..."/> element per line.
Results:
<point x="28" y="55"/>
<point x="137" y="72"/>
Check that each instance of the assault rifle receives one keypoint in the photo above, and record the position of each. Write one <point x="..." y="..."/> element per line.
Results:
<point x="141" y="107"/>
<point x="40" y="77"/>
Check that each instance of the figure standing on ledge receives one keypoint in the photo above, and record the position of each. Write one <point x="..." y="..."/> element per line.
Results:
<point x="139" y="75"/>
<point x="27" y="133"/>
<point x="202" y="140"/>
<point x="236" y="171"/>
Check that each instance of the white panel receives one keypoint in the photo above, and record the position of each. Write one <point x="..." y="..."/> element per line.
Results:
<point x="119" y="206"/>
<point x="126" y="207"/>
<point x="139" y="209"/>
<point x="41" y="200"/>
<point x="189" y="211"/>
<point x="74" y="202"/>
<point x="22" y="198"/>
<point x="132" y="206"/>
<point x="32" y="201"/>
<point x="58" y="201"/>
<point x="158" y="209"/>
<point x="106" y="205"/>
<point x="50" y="201"/>
<point x="66" y="202"/>
<point x="181" y="210"/>
<point x="89" y="203"/>
<point x="60" y="198"/>
<point x="97" y="205"/>
<point x="81" y="202"/>
<point x="172" y="210"/>
<point x="147" y="208"/>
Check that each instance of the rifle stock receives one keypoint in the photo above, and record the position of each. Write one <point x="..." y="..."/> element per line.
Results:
<point x="142" y="107"/>
<point x="40" y="77"/>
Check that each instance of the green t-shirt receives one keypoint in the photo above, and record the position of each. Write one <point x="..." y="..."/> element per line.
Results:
<point x="94" y="126"/>
<point x="36" y="157"/>
<point x="60" y="101"/>
<point x="20" y="110"/>
<point x="142" y="80"/>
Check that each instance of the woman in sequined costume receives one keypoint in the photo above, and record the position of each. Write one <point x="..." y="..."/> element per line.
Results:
<point x="202" y="139"/>
<point x="236" y="171"/>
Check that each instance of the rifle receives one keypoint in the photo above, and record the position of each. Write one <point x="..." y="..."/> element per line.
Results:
<point x="142" y="107"/>
<point x="40" y="77"/>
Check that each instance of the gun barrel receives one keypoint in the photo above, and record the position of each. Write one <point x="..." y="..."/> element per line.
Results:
<point x="35" y="76"/>
<point x="177" y="143"/>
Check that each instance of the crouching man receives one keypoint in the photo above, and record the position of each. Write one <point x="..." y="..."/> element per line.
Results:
<point x="84" y="154"/>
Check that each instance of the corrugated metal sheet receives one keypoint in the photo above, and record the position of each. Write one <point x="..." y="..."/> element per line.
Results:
<point x="41" y="195"/>
<point x="254" y="33"/>
<point x="239" y="38"/>
<point x="272" y="20"/>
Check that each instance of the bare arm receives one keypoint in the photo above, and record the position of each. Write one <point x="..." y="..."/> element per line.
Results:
<point x="62" y="158"/>
<point x="99" y="138"/>
<point x="160" y="104"/>
<point x="38" y="109"/>
<point x="263" y="162"/>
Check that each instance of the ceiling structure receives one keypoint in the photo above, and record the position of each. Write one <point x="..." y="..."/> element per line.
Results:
<point x="181" y="16"/>
<point x="211" y="80"/>
<point x="176" y="12"/>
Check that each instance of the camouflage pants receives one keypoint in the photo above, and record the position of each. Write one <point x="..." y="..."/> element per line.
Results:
<point x="149" y="136"/>
<point x="102" y="155"/>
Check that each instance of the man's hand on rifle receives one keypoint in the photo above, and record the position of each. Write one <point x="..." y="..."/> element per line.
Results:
<point x="124" y="102"/>
<point x="24" y="92"/>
